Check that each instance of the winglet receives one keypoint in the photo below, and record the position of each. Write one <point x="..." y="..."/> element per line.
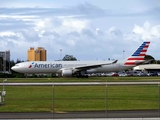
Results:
<point x="114" y="61"/>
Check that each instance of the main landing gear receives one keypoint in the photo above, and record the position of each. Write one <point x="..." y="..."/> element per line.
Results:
<point x="82" y="76"/>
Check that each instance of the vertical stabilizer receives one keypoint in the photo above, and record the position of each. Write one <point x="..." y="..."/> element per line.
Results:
<point x="138" y="56"/>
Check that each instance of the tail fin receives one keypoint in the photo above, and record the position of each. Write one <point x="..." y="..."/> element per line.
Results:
<point x="138" y="56"/>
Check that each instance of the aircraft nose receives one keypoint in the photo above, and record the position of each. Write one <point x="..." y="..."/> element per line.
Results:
<point x="20" y="68"/>
<point x="14" y="68"/>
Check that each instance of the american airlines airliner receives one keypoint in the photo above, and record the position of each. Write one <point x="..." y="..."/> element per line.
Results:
<point x="80" y="68"/>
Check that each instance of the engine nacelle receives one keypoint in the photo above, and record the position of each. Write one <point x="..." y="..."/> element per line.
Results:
<point x="67" y="73"/>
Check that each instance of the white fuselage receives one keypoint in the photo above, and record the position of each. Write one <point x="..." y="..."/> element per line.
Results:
<point x="57" y="66"/>
<point x="71" y="68"/>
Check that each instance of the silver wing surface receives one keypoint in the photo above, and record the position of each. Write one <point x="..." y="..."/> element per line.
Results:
<point x="87" y="67"/>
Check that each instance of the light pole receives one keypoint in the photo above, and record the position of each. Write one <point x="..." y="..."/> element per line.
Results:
<point x="4" y="92"/>
<point x="9" y="64"/>
<point x="60" y="54"/>
<point x="123" y="53"/>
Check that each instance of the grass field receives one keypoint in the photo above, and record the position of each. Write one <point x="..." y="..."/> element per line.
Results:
<point x="80" y="98"/>
<point x="90" y="79"/>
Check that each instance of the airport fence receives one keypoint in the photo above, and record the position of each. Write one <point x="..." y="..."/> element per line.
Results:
<point x="84" y="99"/>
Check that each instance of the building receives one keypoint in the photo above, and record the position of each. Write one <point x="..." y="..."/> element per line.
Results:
<point x="148" y="67"/>
<point x="5" y="55"/>
<point x="38" y="54"/>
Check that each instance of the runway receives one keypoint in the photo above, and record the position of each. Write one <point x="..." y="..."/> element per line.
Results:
<point x="80" y="83"/>
<point x="80" y="115"/>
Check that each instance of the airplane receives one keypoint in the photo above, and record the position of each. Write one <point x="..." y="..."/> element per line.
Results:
<point x="82" y="68"/>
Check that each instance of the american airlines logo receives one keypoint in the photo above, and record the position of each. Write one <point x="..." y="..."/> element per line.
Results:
<point x="37" y="65"/>
<point x="30" y="66"/>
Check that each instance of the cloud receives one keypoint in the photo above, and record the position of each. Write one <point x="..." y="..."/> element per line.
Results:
<point x="29" y="35"/>
<point x="153" y="11"/>
<point x="77" y="40"/>
<point x="72" y="30"/>
<point x="115" y="32"/>
<point x="89" y="10"/>
<point x="88" y="33"/>
<point x="85" y="10"/>
<point x="26" y="4"/>
<point x="147" y="32"/>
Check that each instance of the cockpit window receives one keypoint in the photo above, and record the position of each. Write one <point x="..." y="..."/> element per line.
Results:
<point x="16" y="65"/>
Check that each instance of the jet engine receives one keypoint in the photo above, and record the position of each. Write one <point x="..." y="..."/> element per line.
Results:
<point x="66" y="73"/>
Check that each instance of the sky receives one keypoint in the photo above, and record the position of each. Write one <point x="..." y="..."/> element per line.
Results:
<point x="86" y="29"/>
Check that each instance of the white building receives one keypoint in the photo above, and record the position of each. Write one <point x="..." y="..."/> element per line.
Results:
<point x="148" y="67"/>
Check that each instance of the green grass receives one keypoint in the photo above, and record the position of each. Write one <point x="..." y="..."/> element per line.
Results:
<point x="80" y="98"/>
<point x="90" y="79"/>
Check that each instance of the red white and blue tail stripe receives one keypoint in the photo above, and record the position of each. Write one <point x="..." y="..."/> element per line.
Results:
<point x="138" y="55"/>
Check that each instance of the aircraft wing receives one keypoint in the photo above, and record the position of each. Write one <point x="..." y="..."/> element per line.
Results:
<point x="86" y="67"/>
<point x="143" y="62"/>
<point x="148" y="61"/>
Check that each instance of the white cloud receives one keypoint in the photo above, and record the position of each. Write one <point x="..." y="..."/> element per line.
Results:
<point x="61" y="24"/>
<point x="79" y="40"/>
<point x="114" y="32"/>
<point x="147" y="32"/>
<point x="75" y="24"/>
<point x="156" y="31"/>
<point x="7" y="33"/>
<point x="73" y="30"/>
<point x="26" y="3"/>
<point x="71" y="42"/>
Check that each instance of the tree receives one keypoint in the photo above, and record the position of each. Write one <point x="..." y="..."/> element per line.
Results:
<point x="69" y="58"/>
<point x="12" y="63"/>
<point x="149" y="57"/>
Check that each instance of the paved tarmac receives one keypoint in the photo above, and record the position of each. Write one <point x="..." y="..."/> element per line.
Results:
<point x="83" y="115"/>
